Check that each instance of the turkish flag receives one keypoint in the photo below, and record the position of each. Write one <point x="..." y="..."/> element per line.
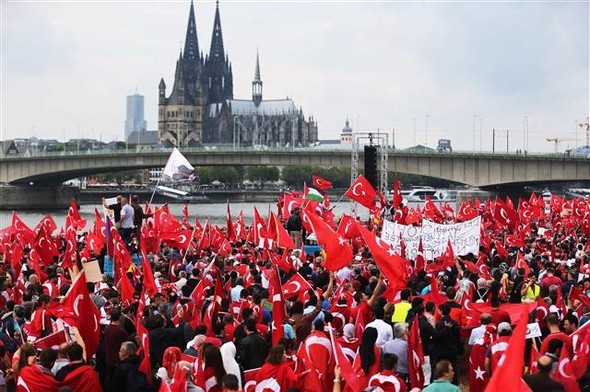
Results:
<point x="145" y="365"/>
<point x="420" y="262"/>
<point x="347" y="227"/>
<point x="478" y="375"/>
<point x="393" y="266"/>
<point x="316" y="353"/>
<point x="278" y="307"/>
<point x="31" y="378"/>
<point x="511" y="364"/>
<point x="415" y="355"/>
<point x="282" y="238"/>
<point x="505" y="215"/>
<point x="179" y="239"/>
<point x="565" y="372"/>
<point x="321" y="183"/>
<point x="74" y="215"/>
<point x="230" y="231"/>
<point x="521" y="263"/>
<point x="348" y="373"/>
<point x="20" y="231"/>
<point x="289" y="203"/>
<point x="482" y="268"/>
<point x="448" y="257"/>
<point x="514" y="240"/>
<point x="71" y="246"/>
<point x="47" y="223"/>
<point x="337" y="250"/>
<point x="296" y="285"/>
<point x="45" y="246"/>
<point x="164" y="221"/>
<point x="502" y="252"/>
<point x="86" y="314"/>
<point x="397" y="194"/>
<point x="431" y="211"/>
<point x="148" y="276"/>
<point x="362" y="192"/>
<point x="467" y="211"/>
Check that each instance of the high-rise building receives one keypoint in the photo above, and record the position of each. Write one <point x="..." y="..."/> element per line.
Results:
<point x="135" y="121"/>
<point x="201" y="107"/>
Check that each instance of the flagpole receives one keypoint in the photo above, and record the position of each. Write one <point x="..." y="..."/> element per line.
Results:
<point x="154" y="192"/>
<point x="189" y="244"/>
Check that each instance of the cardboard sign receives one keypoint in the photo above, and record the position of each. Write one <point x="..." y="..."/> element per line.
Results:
<point x="93" y="273"/>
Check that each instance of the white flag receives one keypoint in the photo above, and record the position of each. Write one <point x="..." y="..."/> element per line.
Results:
<point x="178" y="168"/>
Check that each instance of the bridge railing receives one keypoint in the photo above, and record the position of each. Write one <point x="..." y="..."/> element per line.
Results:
<point x="298" y="150"/>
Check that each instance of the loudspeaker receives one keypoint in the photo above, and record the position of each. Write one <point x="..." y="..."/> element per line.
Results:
<point x="371" y="165"/>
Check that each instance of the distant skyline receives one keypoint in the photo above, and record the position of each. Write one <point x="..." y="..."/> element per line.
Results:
<point x="67" y="67"/>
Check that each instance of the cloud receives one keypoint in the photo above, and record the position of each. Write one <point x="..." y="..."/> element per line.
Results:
<point x="69" y="66"/>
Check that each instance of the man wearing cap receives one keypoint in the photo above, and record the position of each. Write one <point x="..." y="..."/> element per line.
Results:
<point x="496" y="350"/>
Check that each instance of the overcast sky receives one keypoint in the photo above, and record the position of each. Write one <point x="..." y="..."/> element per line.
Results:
<point x="67" y="67"/>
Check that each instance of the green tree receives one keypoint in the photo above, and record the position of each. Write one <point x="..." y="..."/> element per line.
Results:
<point x="262" y="173"/>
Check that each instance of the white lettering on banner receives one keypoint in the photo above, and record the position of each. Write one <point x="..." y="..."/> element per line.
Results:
<point x="464" y="236"/>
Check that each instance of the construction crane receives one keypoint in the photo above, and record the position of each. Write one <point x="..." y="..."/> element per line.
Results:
<point x="586" y="127"/>
<point x="557" y="140"/>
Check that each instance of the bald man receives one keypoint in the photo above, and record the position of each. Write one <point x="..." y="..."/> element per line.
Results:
<point x="541" y="381"/>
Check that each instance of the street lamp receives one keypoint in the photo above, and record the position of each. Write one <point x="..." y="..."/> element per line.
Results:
<point x="474" y="117"/>
<point x="426" y="129"/>
<point x="414" y="131"/>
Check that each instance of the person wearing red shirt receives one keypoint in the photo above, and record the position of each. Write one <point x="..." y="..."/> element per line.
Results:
<point x="496" y="349"/>
<point x="552" y="322"/>
<point x="386" y="379"/>
<point x="550" y="279"/>
<point x="498" y="315"/>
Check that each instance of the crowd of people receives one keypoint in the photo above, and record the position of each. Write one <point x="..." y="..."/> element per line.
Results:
<point x="187" y="306"/>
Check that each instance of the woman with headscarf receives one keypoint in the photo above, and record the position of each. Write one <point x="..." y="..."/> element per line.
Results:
<point x="276" y="374"/>
<point x="171" y="357"/>
<point x="228" y="354"/>
<point x="367" y="362"/>
<point x="349" y="342"/>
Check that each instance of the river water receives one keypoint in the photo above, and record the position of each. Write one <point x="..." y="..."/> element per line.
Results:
<point x="215" y="212"/>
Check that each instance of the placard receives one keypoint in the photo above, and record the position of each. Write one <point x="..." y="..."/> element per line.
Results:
<point x="533" y="330"/>
<point x="93" y="273"/>
<point x="464" y="237"/>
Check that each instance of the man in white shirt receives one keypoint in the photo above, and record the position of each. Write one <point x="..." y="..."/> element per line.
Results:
<point x="384" y="330"/>
<point x="127" y="216"/>
<point x="478" y="332"/>
<point x="237" y="289"/>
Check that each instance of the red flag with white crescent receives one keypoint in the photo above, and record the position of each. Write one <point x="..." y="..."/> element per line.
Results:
<point x="362" y="192"/>
<point x="87" y="316"/>
<point x="321" y="183"/>
<point x="415" y="355"/>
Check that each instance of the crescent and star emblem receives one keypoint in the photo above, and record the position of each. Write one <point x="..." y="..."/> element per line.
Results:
<point x="354" y="189"/>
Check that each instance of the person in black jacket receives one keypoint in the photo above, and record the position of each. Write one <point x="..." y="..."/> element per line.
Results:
<point x="295" y="227"/>
<point x="127" y="377"/>
<point x="541" y="381"/>
<point x="253" y="349"/>
<point x="447" y="340"/>
<point x="162" y="337"/>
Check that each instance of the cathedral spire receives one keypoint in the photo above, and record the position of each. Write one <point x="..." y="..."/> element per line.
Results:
<point x="191" y="42"/>
<point x="257" y="70"/>
<point x="216" y="50"/>
<point x="257" y="83"/>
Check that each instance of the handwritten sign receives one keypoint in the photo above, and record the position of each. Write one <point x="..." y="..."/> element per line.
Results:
<point x="464" y="237"/>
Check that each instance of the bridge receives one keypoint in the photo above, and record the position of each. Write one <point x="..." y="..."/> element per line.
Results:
<point x="482" y="170"/>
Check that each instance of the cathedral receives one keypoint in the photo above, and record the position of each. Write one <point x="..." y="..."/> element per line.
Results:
<point x="201" y="108"/>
